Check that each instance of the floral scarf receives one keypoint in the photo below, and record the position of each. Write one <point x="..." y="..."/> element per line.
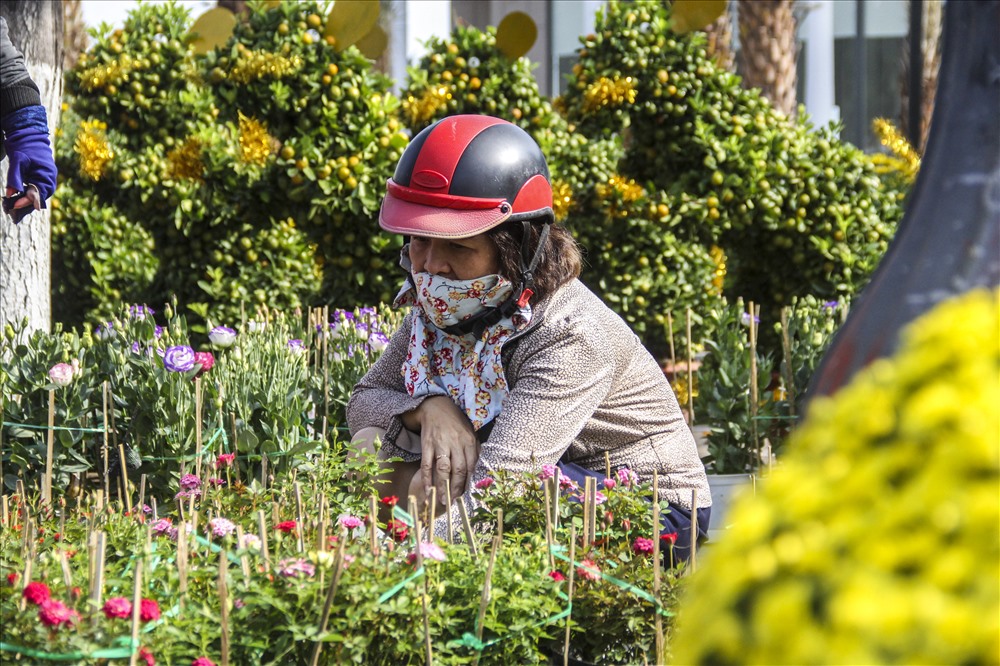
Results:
<point x="462" y="367"/>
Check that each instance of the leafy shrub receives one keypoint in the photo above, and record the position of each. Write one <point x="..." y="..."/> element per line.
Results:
<point x="268" y="196"/>
<point x="795" y="211"/>
<point x="865" y="545"/>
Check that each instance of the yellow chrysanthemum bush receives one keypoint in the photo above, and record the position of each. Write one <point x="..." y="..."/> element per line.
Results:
<point x="875" y="540"/>
<point x="251" y="173"/>
<point x="632" y="258"/>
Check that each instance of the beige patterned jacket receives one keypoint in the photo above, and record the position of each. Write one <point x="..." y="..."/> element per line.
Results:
<point x="581" y="384"/>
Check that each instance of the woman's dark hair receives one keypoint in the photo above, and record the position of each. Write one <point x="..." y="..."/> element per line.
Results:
<point x="560" y="261"/>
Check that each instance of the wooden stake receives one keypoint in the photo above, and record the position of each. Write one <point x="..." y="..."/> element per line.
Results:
<point x="262" y="529"/>
<point x="142" y="492"/>
<point x="223" y="609"/>
<point x="484" y="600"/>
<point x="136" y="608"/>
<point x="607" y="465"/>
<point x="182" y="558"/>
<point x="300" y="545"/>
<point x="49" y="450"/>
<point x="104" y="447"/>
<point x="25" y="579"/>
<point x="197" y="426"/>
<point x="690" y="371"/>
<point x="754" y="437"/>
<point x="467" y="528"/>
<point x="670" y="334"/>
<point x="694" y="529"/>
<point x="373" y="524"/>
<point x="432" y="509"/>
<point x="338" y="567"/>
<point x="428" y="653"/>
<point x="658" y="620"/>
<point x="569" y="592"/>
<point x="548" y="525"/>
<point x="555" y="500"/>
<point x="786" y="350"/>
<point x="244" y="562"/>
<point x="124" y="473"/>
<point x="447" y="492"/>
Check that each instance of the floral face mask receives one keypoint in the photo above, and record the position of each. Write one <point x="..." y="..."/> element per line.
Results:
<point x="446" y="302"/>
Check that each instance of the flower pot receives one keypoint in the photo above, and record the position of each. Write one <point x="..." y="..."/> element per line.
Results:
<point x="724" y="488"/>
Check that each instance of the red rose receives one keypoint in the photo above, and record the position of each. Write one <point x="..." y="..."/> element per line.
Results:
<point x="286" y="527"/>
<point x="119" y="607"/>
<point x="557" y="575"/>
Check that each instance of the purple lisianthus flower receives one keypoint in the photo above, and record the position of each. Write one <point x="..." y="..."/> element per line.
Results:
<point x="157" y="331"/>
<point x="296" y="345"/>
<point x="179" y="358"/>
<point x="222" y="336"/>
<point x="745" y="319"/>
<point x="378" y="341"/>
<point x="105" y="331"/>
<point x="829" y="305"/>
<point x="140" y="311"/>
<point x="61" y="374"/>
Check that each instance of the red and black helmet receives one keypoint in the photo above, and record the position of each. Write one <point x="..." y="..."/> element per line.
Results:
<point x="464" y="175"/>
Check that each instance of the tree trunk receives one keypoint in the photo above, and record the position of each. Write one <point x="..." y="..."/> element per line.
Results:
<point x="719" y="34"/>
<point x="74" y="33"/>
<point x="25" y="258"/>
<point x="768" y="50"/>
<point x="931" y="50"/>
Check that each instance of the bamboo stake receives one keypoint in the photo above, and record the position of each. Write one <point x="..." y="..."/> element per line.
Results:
<point x="658" y="620"/>
<point x="447" y="492"/>
<point x="244" y="562"/>
<point x="753" y="382"/>
<point x="690" y="371"/>
<point x="4" y="511"/>
<point x="298" y="515"/>
<point x="586" y="512"/>
<point x="142" y="491"/>
<point x="124" y="473"/>
<point x="104" y="447"/>
<point x="26" y="578"/>
<point x="49" y="449"/>
<point x="197" y="426"/>
<point x="555" y="500"/>
<point x="223" y="610"/>
<point x="182" y="559"/>
<point x="484" y="600"/>
<point x="786" y="350"/>
<point x="467" y="528"/>
<point x="338" y="567"/>
<point x="262" y="529"/>
<point x="428" y="653"/>
<point x="670" y="334"/>
<point x="607" y="465"/>
<point x="373" y="524"/>
<point x="694" y="529"/>
<point x="548" y="525"/>
<point x="136" y="607"/>
<point x="569" y="592"/>
<point x="432" y="509"/>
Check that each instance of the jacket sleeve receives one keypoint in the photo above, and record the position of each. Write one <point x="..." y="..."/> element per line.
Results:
<point x="17" y="90"/>
<point x="555" y="391"/>
<point x="380" y="397"/>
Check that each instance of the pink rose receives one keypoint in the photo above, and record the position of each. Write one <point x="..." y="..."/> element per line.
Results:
<point x="119" y="607"/>
<point x="642" y="546"/>
<point x="149" y="610"/>
<point x="202" y="661"/>
<point x="205" y="360"/>
<point x="52" y="613"/>
<point x="224" y="460"/>
<point x="588" y="570"/>
<point x="482" y="484"/>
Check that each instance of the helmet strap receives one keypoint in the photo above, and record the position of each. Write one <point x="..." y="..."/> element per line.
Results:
<point x="529" y="264"/>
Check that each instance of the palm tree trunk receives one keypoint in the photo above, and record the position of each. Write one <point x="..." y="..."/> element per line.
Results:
<point x="768" y="50"/>
<point x="931" y="50"/>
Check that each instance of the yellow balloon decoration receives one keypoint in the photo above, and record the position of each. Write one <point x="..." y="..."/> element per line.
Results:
<point x="373" y="44"/>
<point x="350" y="20"/>
<point x="212" y="29"/>
<point x="691" y="15"/>
<point x="516" y="34"/>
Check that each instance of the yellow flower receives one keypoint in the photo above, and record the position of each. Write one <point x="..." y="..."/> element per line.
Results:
<point x="421" y="110"/>
<point x="608" y="92"/>
<point x="562" y="199"/>
<point x="253" y="65"/>
<point x="93" y="148"/>
<point x="256" y="144"/>
<point x="185" y="160"/>
<point x="906" y="160"/>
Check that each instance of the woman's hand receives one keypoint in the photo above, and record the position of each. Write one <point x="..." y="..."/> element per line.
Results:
<point x="449" y="448"/>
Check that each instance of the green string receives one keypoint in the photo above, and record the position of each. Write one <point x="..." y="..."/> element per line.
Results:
<point x="399" y="514"/>
<point x="45" y="427"/>
<point x="642" y="594"/>
<point x="205" y="449"/>
<point x="394" y="590"/>
<point x="469" y="640"/>
<point x="124" y="652"/>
